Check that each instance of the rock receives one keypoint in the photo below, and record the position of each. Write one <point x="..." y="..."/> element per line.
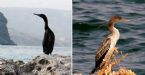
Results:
<point x="28" y="67"/>
<point x="41" y="65"/>
<point x="5" y="37"/>
<point x="43" y="62"/>
<point x="8" y="67"/>
<point x="19" y="62"/>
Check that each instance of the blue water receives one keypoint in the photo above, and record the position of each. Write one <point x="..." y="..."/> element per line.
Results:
<point x="90" y="27"/>
<point x="27" y="53"/>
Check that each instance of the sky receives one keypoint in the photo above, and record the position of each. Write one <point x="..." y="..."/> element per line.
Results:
<point x="26" y="24"/>
<point x="53" y="4"/>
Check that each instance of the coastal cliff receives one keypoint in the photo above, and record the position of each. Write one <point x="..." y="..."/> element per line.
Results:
<point x="4" y="34"/>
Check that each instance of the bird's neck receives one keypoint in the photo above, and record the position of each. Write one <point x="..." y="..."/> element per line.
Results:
<point x="111" y="27"/>
<point x="46" y="24"/>
<point x="114" y="31"/>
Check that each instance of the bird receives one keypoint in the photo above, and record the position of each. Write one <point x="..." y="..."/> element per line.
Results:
<point x="105" y="50"/>
<point x="49" y="37"/>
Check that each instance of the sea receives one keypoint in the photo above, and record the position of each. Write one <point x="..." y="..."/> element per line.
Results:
<point x="27" y="53"/>
<point x="90" y="18"/>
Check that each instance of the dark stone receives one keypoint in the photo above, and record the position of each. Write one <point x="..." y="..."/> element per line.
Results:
<point x="48" y="68"/>
<point x="43" y="62"/>
<point x="38" y="68"/>
<point x="61" y="62"/>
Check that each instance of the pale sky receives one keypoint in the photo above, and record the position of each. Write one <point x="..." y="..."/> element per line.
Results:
<point x="53" y="4"/>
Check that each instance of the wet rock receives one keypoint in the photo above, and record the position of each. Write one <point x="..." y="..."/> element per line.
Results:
<point x="41" y="65"/>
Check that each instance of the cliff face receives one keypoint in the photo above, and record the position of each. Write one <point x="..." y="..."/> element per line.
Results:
<point x="4" y="35"/>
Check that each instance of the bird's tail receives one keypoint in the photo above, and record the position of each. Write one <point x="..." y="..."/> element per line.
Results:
<point x="93" y="71"/>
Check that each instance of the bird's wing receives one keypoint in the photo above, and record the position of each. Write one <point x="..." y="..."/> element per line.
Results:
<point x="48" y="39"/>
<point x="51" y="40"/>
<point x="105" y="45"/>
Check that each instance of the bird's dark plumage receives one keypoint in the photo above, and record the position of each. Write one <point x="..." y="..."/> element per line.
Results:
<point x="49" y="37"/>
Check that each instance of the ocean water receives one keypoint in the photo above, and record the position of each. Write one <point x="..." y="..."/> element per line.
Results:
<point x="27" y="53"/>
<point x="90" y="19"/>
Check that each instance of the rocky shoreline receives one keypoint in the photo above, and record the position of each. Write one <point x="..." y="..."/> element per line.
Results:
<point x="40" y="65"/>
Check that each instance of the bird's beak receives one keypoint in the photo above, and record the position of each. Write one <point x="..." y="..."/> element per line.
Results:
<point x="125" y="20"/>
<point x="35" y="14"/>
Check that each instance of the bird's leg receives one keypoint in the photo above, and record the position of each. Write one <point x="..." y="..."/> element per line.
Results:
<point x="112" y="58"/>
<point x="115" y="53"/>
<point x="116" y="50"/>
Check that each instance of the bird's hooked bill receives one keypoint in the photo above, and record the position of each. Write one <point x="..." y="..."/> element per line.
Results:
<point x="125" y="20"/>
<point x="35" y="14"/>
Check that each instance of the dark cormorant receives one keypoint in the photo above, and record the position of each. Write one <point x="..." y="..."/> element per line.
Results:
<point x="49" y="37"/>
<point x="105" y="51"/>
